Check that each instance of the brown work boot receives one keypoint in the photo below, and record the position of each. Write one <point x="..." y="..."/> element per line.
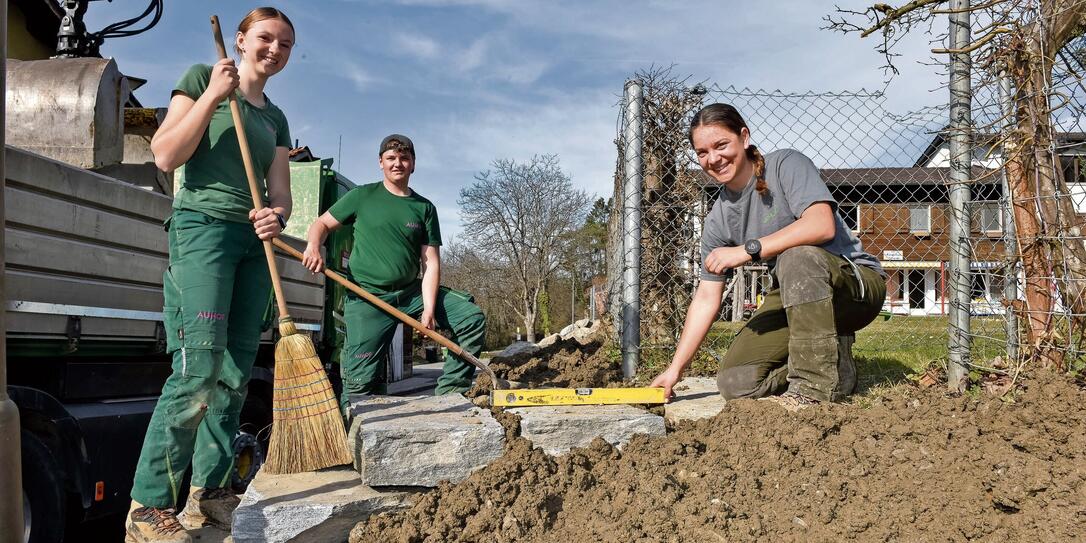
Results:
<point x="792" y="401"/>
<point x="153" y="525"/>
<point x="209" y="506"/>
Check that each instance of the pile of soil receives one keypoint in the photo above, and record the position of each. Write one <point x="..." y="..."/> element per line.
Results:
<point x="918" y="465"/>
<point x="565" y="364"/>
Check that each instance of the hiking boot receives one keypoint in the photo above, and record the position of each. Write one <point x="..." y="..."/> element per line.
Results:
<point x="792" y="401"/>
<point x="209" y="506"/>
<point x="153" y="525"/>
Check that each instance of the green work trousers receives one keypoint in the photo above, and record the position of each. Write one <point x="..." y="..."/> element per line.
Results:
<point x="791" y="341"/>
<point x="216" y="291"/>
<point x="370" y="330"/>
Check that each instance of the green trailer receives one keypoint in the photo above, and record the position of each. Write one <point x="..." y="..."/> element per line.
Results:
<point x="315" y="186"/>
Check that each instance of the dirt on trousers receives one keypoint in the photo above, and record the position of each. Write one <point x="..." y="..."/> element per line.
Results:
<point x="917" y="466"/>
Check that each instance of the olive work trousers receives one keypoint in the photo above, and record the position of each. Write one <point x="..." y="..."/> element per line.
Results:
<point x="216" y="293"/>
<point x="800" y="338"/>
<point x="370" y="330"/>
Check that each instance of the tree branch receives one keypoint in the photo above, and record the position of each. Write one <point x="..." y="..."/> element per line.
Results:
<point x="975" y="45"/>
<point x="890" y="15"/>
<point x="968" y="9"/>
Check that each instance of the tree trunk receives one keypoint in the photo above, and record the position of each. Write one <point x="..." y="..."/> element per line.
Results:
<point x="660" y="240"/>
<point x="1039" y="301"/>
<point x="528" y="315"/>
<point x="529" y="326"/>
<point x="1044" y="214"/>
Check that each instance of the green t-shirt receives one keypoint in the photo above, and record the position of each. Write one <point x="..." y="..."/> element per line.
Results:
<point x="389" y="232"/>
<point x="214" y="177"/>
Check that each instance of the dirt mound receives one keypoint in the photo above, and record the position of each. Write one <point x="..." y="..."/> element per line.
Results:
<point x="566" y="364"/>
<point x="916" y="466"/>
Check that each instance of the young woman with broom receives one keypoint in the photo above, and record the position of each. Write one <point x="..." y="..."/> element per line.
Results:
<point x="775" y="208"/>
<point x="217" y="286"/>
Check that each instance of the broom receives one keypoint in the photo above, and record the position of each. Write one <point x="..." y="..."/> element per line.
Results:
<point x="496" y="382"/>
<point x="307" y="428"/>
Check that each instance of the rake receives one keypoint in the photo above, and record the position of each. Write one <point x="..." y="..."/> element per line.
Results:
<point x="496" y="382"/>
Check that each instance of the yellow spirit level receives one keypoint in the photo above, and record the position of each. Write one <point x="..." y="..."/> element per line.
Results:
<point x="577" y="396"/>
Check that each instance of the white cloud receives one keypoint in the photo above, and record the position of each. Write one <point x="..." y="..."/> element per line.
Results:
<point x="417" y="45"/>
<point x="577" y="127"/>
<point x="522" y="73"/>
<point x="472" y="57"/>
<point x="356" y="74"/>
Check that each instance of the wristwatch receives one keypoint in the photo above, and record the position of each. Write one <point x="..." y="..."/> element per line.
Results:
<point x="282" y="221"/>
<point x="753" y="247"/>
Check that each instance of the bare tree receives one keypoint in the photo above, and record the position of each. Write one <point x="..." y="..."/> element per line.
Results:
<point x="584" y="257"/>
<point x="463" y="268"/>
<point x="1026" y="39"/>
<point x="521" y="215"/>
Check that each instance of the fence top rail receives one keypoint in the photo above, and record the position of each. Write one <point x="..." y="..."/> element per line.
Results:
<point x="777" y="93"/>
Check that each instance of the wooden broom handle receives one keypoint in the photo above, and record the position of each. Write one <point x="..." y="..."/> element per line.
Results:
<point x="246" y="158"/>
<point x="404" y="317"/>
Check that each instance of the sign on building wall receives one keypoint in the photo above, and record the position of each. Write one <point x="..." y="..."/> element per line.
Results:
<point x="893" y="255"/>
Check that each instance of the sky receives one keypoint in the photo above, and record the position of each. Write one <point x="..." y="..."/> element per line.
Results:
<point x="472" y="81"/>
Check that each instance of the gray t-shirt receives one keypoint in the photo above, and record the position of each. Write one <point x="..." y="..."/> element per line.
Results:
<point x="794" y="184"/>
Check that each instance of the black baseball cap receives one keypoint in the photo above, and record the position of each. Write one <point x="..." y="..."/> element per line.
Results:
<point x="403" y="141"/>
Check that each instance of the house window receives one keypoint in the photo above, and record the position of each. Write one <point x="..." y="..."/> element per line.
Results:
<point x="896" y="285"/>
<point x="1074" y="168"/>
<point x="978" y="290"/>
<point x="916" y="289"/>
<point x="991" y="219"/>
<point x="1078" y="196"/>
<point x="997" y="284"/>
<point x="920" y="220"/>
<point x="850" y="214"/>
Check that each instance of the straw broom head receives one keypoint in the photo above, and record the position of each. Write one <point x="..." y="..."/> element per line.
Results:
<point x="307" y="428"/>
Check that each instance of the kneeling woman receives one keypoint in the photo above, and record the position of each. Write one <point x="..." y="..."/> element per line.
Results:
<point x="777" y="209"/>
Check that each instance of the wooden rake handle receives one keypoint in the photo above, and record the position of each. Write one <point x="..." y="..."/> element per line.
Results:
<point x="250" y="173"/>
<point x="403" y="317"/>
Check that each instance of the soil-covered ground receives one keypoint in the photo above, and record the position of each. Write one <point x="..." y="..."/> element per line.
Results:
<point x="565" y="364"/>
<point x="917" y="465"/>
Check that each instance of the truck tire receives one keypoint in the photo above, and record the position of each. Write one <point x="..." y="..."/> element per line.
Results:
<point x="43" y="492"/>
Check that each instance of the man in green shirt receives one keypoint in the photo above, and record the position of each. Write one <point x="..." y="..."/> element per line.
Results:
<point x="396" y="235"/>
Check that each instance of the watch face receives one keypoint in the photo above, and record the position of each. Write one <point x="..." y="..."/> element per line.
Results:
<point x="753" y="247"/>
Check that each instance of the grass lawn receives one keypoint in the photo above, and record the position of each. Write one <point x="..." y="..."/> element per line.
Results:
<point x="887" y="351"/>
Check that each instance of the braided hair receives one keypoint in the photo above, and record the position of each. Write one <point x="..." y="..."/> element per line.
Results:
<point x="728" y="117"/>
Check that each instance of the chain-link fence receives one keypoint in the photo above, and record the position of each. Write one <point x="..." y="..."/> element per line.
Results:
<point x="975" y="207"/>
<point x="890" y="175"/>
<point x="878" y="166"/>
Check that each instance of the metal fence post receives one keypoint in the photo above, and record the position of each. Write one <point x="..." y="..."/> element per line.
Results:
<point x="738" y="293"/>
<point x="1010" y="245"/>
<point x="573" y="297"/>
<point x="631" y="239"/>
<point x="592" y="303"/>
<point x="960" y="165"/>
